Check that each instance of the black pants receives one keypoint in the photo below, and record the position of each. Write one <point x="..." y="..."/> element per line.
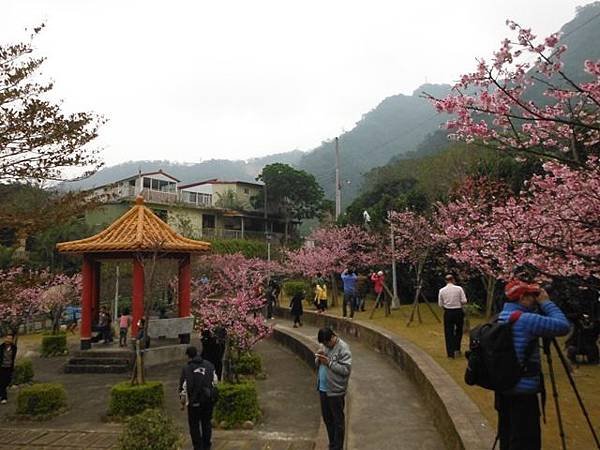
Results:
<point x="519" y="422"/>
<point x="348" y="300"/>
<point x="5" y="379"/>
<point x="199" y="418"/>
<point x="332" y="410"/>
<point x="453" y="329"/>
<point x="123" y="337"/>
<point x="297" y="319"/>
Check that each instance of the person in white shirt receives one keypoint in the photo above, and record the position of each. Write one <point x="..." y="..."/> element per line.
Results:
<point x="452" y="298"/>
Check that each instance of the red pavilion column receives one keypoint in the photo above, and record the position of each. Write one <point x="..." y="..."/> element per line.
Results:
<point x="85" y="329"/>
<point x="95" y="291"/>
<point x="138" y="294"/>
<point x="185" y="304"/>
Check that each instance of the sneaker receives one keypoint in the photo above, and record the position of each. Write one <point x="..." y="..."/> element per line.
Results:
<point x="3" y="401"/>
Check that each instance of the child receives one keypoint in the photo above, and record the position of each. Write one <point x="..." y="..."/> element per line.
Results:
<point x="124" y="323"/>
<point x="296" y="307"/>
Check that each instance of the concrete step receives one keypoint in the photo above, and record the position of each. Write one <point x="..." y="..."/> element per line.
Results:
<point x="100" y="361"/>
<point x="96" y="368"/>
<point x="103" y="354"/>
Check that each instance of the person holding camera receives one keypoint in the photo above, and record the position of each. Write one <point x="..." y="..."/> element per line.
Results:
<point x="197" y="392"/>
<point x="334" y="364"/>
<point x="532" y="315"/>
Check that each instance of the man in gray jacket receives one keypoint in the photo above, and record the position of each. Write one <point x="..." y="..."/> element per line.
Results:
<point x="334" y="363"/>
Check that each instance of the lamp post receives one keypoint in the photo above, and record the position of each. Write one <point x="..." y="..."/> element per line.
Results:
<point x="395" y="299"/>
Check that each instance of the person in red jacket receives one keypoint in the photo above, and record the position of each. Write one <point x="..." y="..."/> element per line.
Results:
<point x="378" y="279"/>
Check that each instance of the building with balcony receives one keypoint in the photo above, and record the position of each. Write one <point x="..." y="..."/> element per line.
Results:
<point x="205" y="209"/>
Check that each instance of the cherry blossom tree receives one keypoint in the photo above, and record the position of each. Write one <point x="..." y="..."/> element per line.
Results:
<point x="417" y="243"/>
<point x="58" y="293"/>
<point x="553" y="223"/>
<point x="232" y="300"/>
<point x="465" y="223"/>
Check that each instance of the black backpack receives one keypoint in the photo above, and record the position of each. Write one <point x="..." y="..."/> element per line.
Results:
<point x="492" y="359"/>
<point x="199" y="382"/>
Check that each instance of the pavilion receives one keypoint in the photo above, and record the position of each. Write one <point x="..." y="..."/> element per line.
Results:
<point x="139" y="234"/>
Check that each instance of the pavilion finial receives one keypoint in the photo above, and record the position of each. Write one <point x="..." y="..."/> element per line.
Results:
<point x="139" y="200"/>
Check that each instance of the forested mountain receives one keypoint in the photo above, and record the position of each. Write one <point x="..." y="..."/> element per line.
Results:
<point x="188" y="172"/>
<point x="396" y="126"/>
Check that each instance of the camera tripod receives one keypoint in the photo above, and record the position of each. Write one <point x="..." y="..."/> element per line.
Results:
<point x="546" y="345"/>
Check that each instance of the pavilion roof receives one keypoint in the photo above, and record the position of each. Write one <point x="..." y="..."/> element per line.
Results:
<point x="138" y="230"/>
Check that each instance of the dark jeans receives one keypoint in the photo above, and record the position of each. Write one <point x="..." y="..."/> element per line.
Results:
<point x="5" y="379"/>
<point x="199" y="418"/>
<point x="519" y="422"/>
<point x="123" y="337"/>
<point x="348" y="300"/>
<point x="453" y="329"/>
<point x="297" y="319"/>
<point x="332" y="410"/>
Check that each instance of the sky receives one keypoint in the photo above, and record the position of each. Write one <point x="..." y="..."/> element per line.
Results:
<point x="192" y="80"/>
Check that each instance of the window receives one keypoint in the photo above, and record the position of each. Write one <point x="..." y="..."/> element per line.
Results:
<point x="147" y="182"/>
<point x="131" y="182"/>
<point x="246" y="191"/>
<point x="208" y="221"/>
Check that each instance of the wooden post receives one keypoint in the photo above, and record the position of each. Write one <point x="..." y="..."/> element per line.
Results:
<point x="86" y="304"/>
<point x="185" y="304"/>
<point x="138" y="294"/>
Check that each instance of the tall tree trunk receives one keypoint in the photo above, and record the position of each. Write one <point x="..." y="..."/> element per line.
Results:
<point x="334" y="290"/>
<point x="489" y="282"/>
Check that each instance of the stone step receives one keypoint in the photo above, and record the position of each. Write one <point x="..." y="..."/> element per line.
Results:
<point x="103" y="354"/>
<point x="80" y="361"/>
<point x="96" y="368"/>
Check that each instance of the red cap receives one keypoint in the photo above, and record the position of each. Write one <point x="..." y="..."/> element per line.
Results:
<point x="515" y="289"/>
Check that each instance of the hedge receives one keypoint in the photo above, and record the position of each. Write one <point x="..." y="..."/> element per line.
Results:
<point x="237" y="403"/>
<point x="292" y="287"/>
<point x="42" y="398"/>
<point x="248" y="364"/>
<point x="23" y="372"/>
<point x="127" y="399"/>
<point x="249" y="248"/>
<point x="54" y="344"/>
<point x="150" y="430"/>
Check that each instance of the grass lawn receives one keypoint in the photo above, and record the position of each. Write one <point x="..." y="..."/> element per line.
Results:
<point x="430" y="337"/>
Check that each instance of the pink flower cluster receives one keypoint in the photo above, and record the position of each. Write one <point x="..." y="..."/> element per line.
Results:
<point x="333" y="249"/>
<point x="492" y="104"/>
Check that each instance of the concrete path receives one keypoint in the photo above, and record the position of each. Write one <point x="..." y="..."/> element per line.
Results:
<point x="385" y="411"/>
<point x="290" y="417"/>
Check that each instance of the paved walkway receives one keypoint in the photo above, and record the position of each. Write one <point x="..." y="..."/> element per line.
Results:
<point x="290" y="417"/>
<point x="385" y="411"/>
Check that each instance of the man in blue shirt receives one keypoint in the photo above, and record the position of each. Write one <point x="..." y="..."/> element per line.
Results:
<point x="518" y="408"/>
<point x="349" y="280"/>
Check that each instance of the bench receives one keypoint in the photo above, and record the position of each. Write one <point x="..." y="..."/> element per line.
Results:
<point x="180" y="327"/>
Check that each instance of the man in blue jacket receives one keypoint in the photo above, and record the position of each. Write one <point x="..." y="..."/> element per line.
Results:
<point x="349" y="280"/>
<point x="518" y="409"/>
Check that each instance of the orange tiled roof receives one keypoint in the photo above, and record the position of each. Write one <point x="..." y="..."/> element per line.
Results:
<point x="139" y="229"/>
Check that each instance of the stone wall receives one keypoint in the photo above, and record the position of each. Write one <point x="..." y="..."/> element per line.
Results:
<point x="457" y="418"/>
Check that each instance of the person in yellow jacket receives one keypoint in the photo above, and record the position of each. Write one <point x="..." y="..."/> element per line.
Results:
<point x="321" y="294"/>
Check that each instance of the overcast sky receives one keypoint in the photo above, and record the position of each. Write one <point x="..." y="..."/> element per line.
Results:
<point x="195" y="80"/>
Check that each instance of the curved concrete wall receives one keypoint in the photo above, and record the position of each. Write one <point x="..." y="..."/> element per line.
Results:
<point x="457" y="418"/>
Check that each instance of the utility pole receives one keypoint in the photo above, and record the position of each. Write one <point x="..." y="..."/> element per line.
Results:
<point x="338" y="185"/>
<point x="395" y="299"/>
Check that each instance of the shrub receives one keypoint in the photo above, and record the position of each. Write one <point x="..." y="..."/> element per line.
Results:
<point x="54" y="344"/>
<point x="292" y="287"/>
<point x="42" y="398"/>
<point x="237" y="403"/>
<point x="23" y="372"/>
<point x="150" y="430"/>
<point x="249" y="363"/>
<point x="127" y="399"/>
